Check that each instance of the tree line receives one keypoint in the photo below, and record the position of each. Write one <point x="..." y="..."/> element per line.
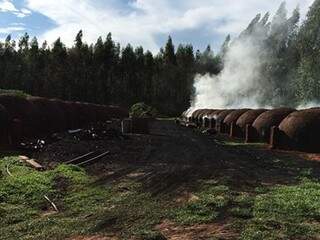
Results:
<point x="105" y="72"/>
<point x="289" y="52"/>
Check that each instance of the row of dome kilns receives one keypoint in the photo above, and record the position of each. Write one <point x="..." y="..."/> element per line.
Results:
<point x="36" y="116"/>
<point x="283" y="128"/>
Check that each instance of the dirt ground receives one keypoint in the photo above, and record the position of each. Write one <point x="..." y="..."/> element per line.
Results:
<point x="178" y="156"/>
<point x="172" y="158"/>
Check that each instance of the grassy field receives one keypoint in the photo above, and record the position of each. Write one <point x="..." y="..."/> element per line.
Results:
<point x="124" y="210"/>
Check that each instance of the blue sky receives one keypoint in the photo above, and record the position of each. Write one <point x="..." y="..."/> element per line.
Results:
<point x="139" y="22"/>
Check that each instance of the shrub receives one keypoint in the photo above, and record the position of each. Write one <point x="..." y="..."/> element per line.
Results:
<point x="13" y="92"/>
<point x="142" y="110"/>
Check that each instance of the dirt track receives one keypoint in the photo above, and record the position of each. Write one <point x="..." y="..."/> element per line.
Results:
<point x="172" y="157"/>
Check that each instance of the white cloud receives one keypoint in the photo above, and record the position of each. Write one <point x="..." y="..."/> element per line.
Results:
<point x="11" y="29"/>
<point x="17" y="24"/>
<point x="25" y="11"/>
<point x="8" y="6"/>
<point x="146" y="19"/>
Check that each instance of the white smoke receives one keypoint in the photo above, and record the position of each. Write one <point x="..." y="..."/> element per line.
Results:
<point x="314" y="104"/>
<point x="246" y="80"/>
<point x="238" y="85"/>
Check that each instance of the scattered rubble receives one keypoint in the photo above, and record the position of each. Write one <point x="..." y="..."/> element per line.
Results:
<point x="98" y="131"/>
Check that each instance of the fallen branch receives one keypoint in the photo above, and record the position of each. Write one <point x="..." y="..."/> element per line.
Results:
<point x="52" y="203"/>
<point x="9" y="173"/>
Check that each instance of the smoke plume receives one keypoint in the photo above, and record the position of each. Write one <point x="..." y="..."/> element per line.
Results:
<point x="250" y="77"/>
<point x="238" y="83"/>
<point x="236" y="86"/>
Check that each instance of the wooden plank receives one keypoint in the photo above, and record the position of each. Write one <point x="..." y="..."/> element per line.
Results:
<point x="32" y="163"/>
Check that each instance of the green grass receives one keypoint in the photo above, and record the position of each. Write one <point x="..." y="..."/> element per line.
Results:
<point x="123" y="207"/>
<point x="84" y="208"/>
<point x="22" y="202"/>
<point x="292" y="203"/>
<point x="133" y="211"/>
<point x="242" y="206"/>
<point x="286" y="212"/>
<point x="280" y="212"/>
<point x="211" y="201"/>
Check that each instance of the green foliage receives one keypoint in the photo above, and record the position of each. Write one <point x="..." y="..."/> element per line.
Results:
<point x="13" y="92"/>
<point x="104" y="72"/>
<point x="307" y="83"/>
<point x="142" y="110"/>
<point x="288" y="57"/>
<point x="107" y="73"/>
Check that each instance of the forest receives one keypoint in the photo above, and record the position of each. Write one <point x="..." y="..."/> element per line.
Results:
<point x="287" y="51"/>
<point x="104" y="72"/>
<point x="107" y="73"/>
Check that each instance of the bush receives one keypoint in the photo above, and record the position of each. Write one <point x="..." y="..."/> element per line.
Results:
<point x="142" y="110"/>
<point x="13" y="92"/>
